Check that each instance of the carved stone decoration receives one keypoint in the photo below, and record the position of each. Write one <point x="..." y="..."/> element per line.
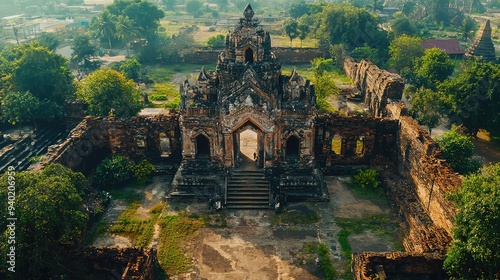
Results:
<point x="247" y="90"/>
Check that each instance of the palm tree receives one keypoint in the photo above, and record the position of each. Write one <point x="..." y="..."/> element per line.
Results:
<point x="105" y="25"/>
<point x="126" y="31"/>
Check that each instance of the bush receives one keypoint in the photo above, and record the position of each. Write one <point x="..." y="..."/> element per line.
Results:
<point x="158" y="97"/>
<point x="366" y="178"/>
<point x="112" y="172"/>
<point x="142" y="171"/>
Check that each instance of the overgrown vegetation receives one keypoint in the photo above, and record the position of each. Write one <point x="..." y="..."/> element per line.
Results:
<point x="318" y="254"/>
<point x="116" y="171"/>
<point x="176" y="230"/>
<point x="366" y="178"/>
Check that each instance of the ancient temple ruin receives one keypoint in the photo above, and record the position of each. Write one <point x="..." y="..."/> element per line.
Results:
<point x="483" y="47"/>
<point x="247" y="95"/>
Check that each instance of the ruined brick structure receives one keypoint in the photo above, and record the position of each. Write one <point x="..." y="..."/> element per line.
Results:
<point x="377" y="86"/>
<point x="483" y="47"/>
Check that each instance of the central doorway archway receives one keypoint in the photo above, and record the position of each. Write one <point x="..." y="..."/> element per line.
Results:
<point x="248" y="149"/>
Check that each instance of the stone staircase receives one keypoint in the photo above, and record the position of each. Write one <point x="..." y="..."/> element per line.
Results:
<point x="247" y="189"/>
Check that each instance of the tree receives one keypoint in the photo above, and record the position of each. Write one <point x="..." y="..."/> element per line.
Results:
<point x="401" y="24"/>
<point x="291" y="29"/>
<point x="126" y="31"/>
<point x="366" y="52"/>
<point x="433" y="68"/>
<point x="217" y="41"/>
<point x="83" y="51"/>
<point x="35" y="69"/>
<point x="474" y="251"/>
<point x="104" y="25"/>
<point x="439" y="11"/>
<point x="457" y="149"/>
<point x="303" y="31"/>
<point x="49" y="40"/>
<point x="49" y="211"/>
<point x="298" y="8"/>
<point x="403" y="51"/>
<point x="169" y="4"/>
<point x="107" y="91"/>
<point x="131" y="69"/>
<point x="468" y="27"/>
<point x="473" y="97"/>
<point x="323" y="84"/>
<point x="351" y="26"/>
<point x="18" y="107"/>
<point x="192" y="6"/>
<point x="427" y="107"/>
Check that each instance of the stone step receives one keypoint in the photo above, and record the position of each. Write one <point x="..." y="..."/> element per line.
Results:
<point x="252" y="198"/>
<point x="247" y="191"/>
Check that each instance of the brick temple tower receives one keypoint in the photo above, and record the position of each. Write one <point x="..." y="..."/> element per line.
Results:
<point x="246" y="99"/>
<point x="483" y="47"/>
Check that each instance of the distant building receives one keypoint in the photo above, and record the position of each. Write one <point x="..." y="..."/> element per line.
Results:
<point x="483" y="47"/>
<point x="450" y="46"/>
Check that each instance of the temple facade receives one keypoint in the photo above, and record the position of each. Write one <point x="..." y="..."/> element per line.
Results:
<point x="247" y="91"/>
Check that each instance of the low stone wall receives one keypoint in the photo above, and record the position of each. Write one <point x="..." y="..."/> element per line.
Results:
<point x="376" y="85"/>
<point x="397" y="265"/>
<point x="114" y="263"/>
<point x="136" y="138"/>
<point x="285" y="55"/>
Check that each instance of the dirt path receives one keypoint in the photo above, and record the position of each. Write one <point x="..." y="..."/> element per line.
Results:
<point x="486" y="150"/>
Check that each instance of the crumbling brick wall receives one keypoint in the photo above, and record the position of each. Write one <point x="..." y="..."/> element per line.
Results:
<point x="377" y="86"/>
<point x="378" y="137"/>
<point x="113" y="263"/>
<point x="397" y="265"/>
<point x="420" y="159"/>
<point x="136" y="138"/>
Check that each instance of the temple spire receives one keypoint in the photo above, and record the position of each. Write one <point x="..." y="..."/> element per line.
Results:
<point x="483" y="45"/>
<point x="248" y="12"/>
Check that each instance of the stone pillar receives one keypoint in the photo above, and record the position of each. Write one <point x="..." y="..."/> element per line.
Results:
<point x="228" y="149"/>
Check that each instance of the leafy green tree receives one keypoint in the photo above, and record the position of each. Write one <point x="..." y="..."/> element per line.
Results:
<point x="458" y="149"/>
<point x="323" y="82"/>
<point x="83" y="51"/>
<point x="403" y="51"/>
<point x="49" y="40"/>
<point x="169" y="4"/>
<point x="108" y="91"/>
<point x="131" y="69"/>
<point x="49" y="211"/>
<point x="18" y="107"/>
<point x="407" y="6"/>
<point x="104" y="25"/>
<point x="113" y="172"/>
<point x="427" y="107"/>
<point x="475" y="249"/>
<point x="433" y="68"/>
<point x="34" y="68"/>
<point x="473" y="97"/>
<point x="193" y="6"/>
<point x="439" y="11"/>
<point x="298" y="8"/>
<point x="303" y="31"/>
<point x="126" y="31"/>
<point x="351" y="26"/>
<point x="401" y="24"/>
<point x="291" y="28"/>
<point x="468" y="27"/>
<point x="217" y="41"/>
<point x="366" y="52"/>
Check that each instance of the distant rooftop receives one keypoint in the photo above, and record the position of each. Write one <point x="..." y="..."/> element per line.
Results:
<point x="449" y="46"/>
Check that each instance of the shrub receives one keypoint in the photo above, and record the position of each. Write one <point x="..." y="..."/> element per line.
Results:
<point x="366" y="178"/>
<point x="112" y="172"/>
<point x="142" y="171"/>
<point x="157" y="97"/>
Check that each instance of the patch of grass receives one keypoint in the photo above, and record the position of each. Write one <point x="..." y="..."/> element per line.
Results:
<point x="129" y="194"/>
<point x="325" y="262"/>
<point x="367" y="192"/>
<point x="295" y="217"/>
<point x="212" y="220"/>
<point x="140" y="231"/>
<point x="343" y="236"/>
<point x="98" y="229"/>
<point x="176" y="230"/>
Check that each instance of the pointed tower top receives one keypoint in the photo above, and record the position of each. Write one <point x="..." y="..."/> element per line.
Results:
<point x="486" y="29"/>
<point x="248" y="12"/>
<point x="203" y="75"/>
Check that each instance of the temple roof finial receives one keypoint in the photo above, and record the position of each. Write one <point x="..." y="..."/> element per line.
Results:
<point x="248" y="12"/>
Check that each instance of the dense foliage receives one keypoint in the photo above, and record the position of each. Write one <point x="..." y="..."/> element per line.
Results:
<point x="457" y="149"/>
<point x="475" y="249"/>
<point x="49" y="211"/>
<point x="366" y="178"/>
<point x="473" y="97"/>
<point x="116" y="171"/>
<point x="108" y="92"/>
<point x="38" y="74"/>
<point x="427" y="107"/>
